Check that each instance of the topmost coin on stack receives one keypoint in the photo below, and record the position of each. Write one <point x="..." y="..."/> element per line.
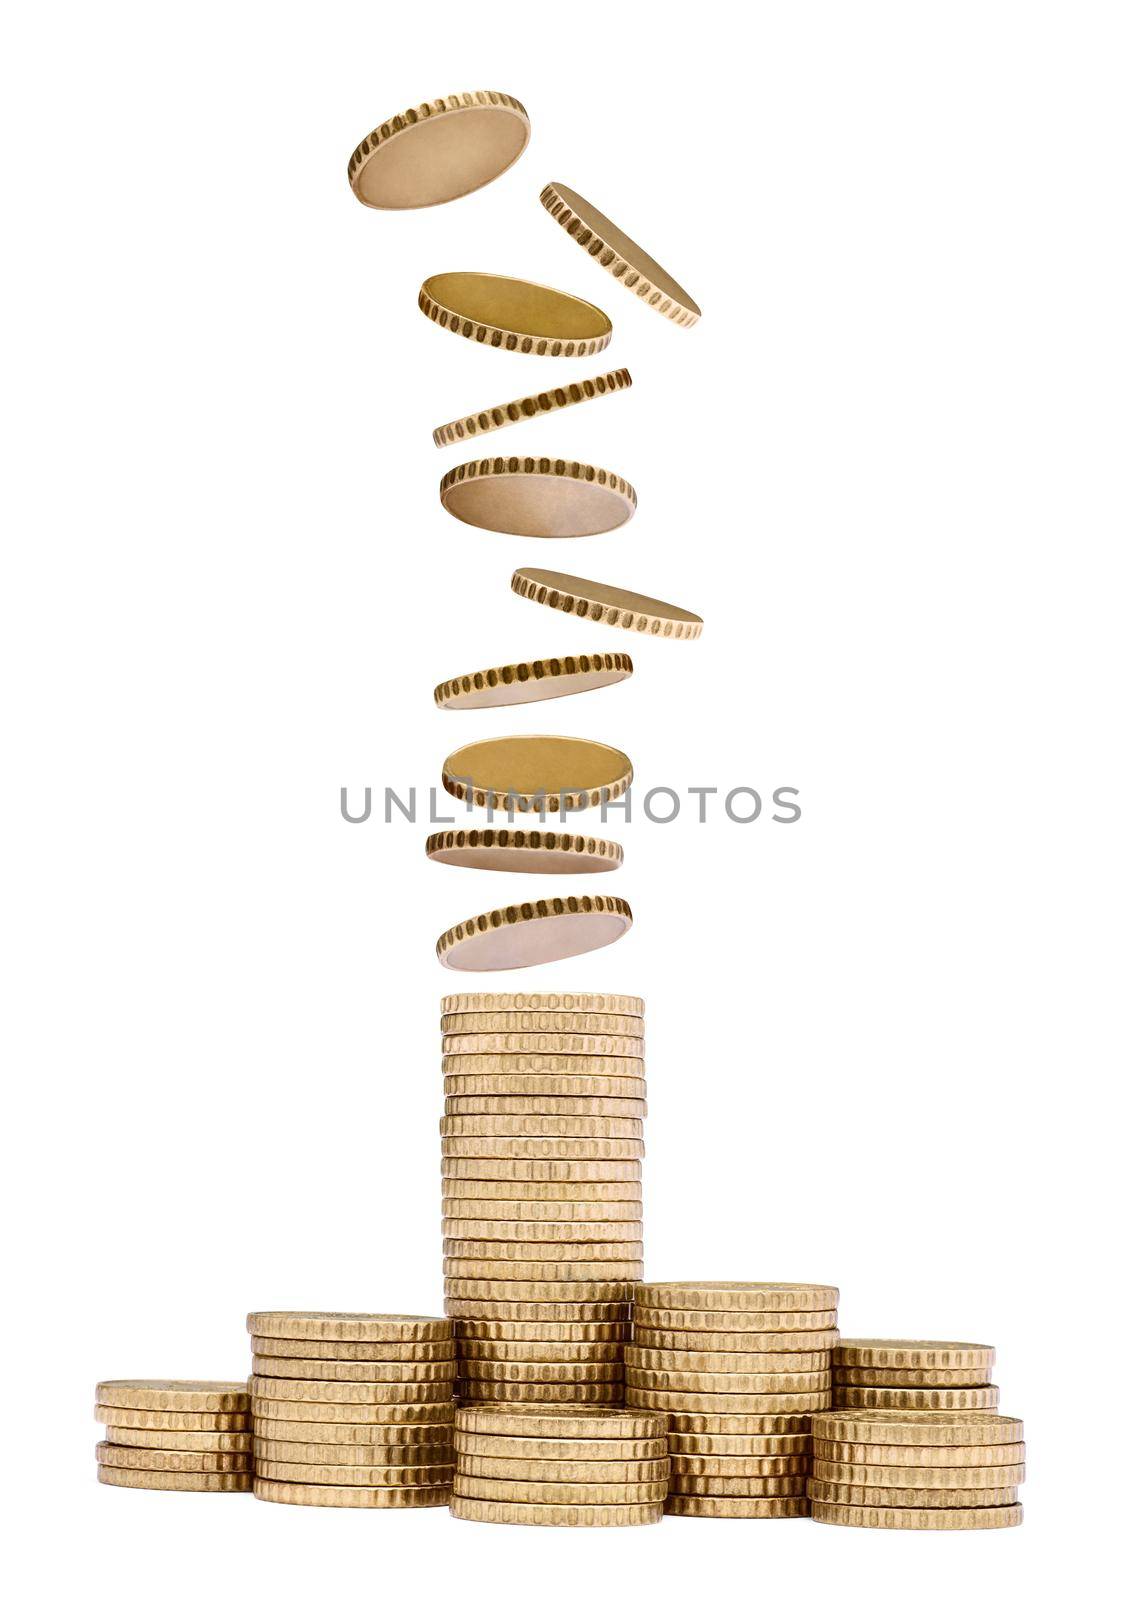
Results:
<point x="913" y="1375"/>
<point x="541" y="1186"/>
<point x="740" y="1368"/>
<point x="174" y="1433"/>
<point x="352" y="1408"/>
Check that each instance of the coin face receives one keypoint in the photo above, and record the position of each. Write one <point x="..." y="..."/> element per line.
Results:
<point x="513" y="314"/>
<point x="535" y="932"/>
<point x="602" y="602"/>
<point x="930" y="1354"/>
<point x="536" y="772"/>
<point x="622" y="256"/>
<point x="920" y="1428"/>
<point x="173" y="1394"/>
<point x="439" y="151"/>
<point x="527" y="681"/>
<point x="351" y="1325"/>
<point x="547" y="402"/>
<point x="538" y="497"/>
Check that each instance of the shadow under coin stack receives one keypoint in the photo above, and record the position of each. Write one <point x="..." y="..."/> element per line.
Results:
<point x="932" y="1470"/>
<point x="175" y="1433"/>
<point x="541" y="1191"/>
<point x="351" y="1409"/>
<point x="560" y="1466"/>
<point x="739" y="1369"/>
<point x="913" y="1375"/>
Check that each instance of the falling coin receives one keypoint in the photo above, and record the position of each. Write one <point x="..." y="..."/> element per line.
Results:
<point x="439" y="151"/>
<point x="536" y="405"/>
<point x="537" y="772"/>
<point x="530" y="934"/>
<point x="513" y="850"/>
<point x="538" y="497"/>
<point x="528" y="681"/>
<point x="599" y="602"/>
<point x="619" y="254"/>
<point x="513" y="314"/>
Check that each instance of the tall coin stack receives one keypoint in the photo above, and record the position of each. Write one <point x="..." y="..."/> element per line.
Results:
<point x="562" y="1466"/>
<point x="935" y="1469"/>
<point x="174" y="1433"/>
<point x="913" y="1375"/>
<point x="739" y="1369"/>
<point x="541" y="1191"/>
<point x="351" y="1409"/>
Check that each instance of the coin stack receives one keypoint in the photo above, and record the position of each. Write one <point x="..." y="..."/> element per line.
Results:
<point x="541" y="1185"/>
<point x="739" y="1369"/>
<point x="351" y="1409"/>
<point x="913" y="1375"/>
<point x="935" y="1469"/>
<point x="174" y="1433"/>
<point x="574" y="1466"/>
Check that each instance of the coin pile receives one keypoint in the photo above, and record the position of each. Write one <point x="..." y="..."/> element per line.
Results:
<point x="935" y="1469"/>
<point x="913" y="1375"/>
<point x="352" y="1409"/>
<point x="739" y="1369"/>
<point x="541" y="1191"/>
<point x="174" y="1433"/>
<point x="573" y="1466"/>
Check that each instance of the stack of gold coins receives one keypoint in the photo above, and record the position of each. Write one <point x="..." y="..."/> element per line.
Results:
<point x="738" y="1369"/>
<point x="913" y="1375"/>
<point x="932" y="1469"/>
<point x="575" y="1466"/>
<point x="541" y="1191"/>
<point x="352" y="1409"/>
<point x="174" y="1433"/>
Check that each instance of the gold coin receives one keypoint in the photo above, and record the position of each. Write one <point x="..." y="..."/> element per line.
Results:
<point x="355" y="1477"/>
<point x="700" y="1505"/>
<point x="522" y="850"/>
<point x="932" y="1354"/>
<point x="934" y="1428"/>
<point x="458" y="1269"/>
<point x="912" y="1377"/>
<point x="745" y="1447"/>
<point x="727" y="1361"/>
<point x="554" y="1516"/>
<point x="540" y="1125"/>
<point x="600" y="602"/>
<point x="625" y="260"/>
<point x="750" y="1405"/>
<point x="187" y="1482"/>
<point x="849" y="1494"/>
<point x="522" y="1491"/>
<point x="650" y="1470"/>
<point x="365" y="1372"/>
<point x="537" y="1062"/>
<point x="566" y="1421"/>
<point x="356" y="1455"/>
<point x="541" y="1022"/>
<point x="538" y="1178"/>
<point x="333" y="1494"/>
<point x="172" y="1394"/>
<point x="553" y="1213"/>
<point x="475" y="1391"/>
<point x="628" y="1005"/>
<point x="731" y="1383"/>
<point x="532" y="933"/>
<point x="357" y="1394"/>
<point x="200" y="1439"/>
<point x="719" y="1467"/>
<point x="290" y="1430"/>
<point x="524" y="1298"/>
<point x="538" y="497"/>
<point x="591" y="1107"/>
<point x="542" y="1251"/>
<point x="173" y="1421"/>
<point x="439" y="151"/>
<point x="761" y="1297"/>
<point x="350" y="1325"/>
<point x="611" y="1089"/>
<point x="116" y="1455"/>
<point x="354" y="1350"/>
<point x="742" y="1488"/>
<point x="535" y="405"/>
<point x="475" y="1147"/>
<point x="513" y="314"/>
<point x="565" y="1360"/>
<point x="745" y="1426"/>
<point x="905" y="1517"/>
<point x="572" y="1192"/>
<point x="920" y="1455"/>
<point x="557" y="1372"/>
<point x="577" y="1233"/>
<point x="273" y="1410"/>
<point x="734" y="1321"/>
<point x="511" y="1457"/>
<point x="702" y="1342"/>
<point x="857" y="1398"/>
<point x="902" y="1477"/>
<point x="605" y="1325"/>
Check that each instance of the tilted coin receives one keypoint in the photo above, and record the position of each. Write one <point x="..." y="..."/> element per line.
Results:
<point x="536" y="772"/>
<point x="752" y="1405"/>
<point x="622" y="257"/>
<point x="928" y="1353"/>
<point x="538" y="1022"/>
<point x="762" y="1297"/>
<point x="629" y="1005"/>
<point x="331" y="1494"/>
<point x="330" y="1393"/>
<point x="701" y="1341"/>
<point x="566" y="1050"/>
<point x="734" y="1321"/>
<point x="356" y="1455"/>
<point x="904" y="1517"/>
<point x="912" y="1377"/>
<point x="920" y="1455"/>
<point x="582" y="1473"/>
<point x="535" y="932"/>
<point x="539" y="1125"/>
<point x="354" y="1350"/>
<point x="727" y="1466"/>
<point x="355" y="1477"/>
<point x="350" y="1325"/>
<point x="903" y="1477"/>
<point x="378" y="1372"/>
<point x="554" y="1213"/>
<point x="162" y="1439"/>
<point x="932" y="1428"/>
<point x="569" y="1192"/>
<point x="743" y="1488"/>
<point x="530" y="1148"/>
<point x="475" y="1390"/>
<point x="735" y="1383"/>
<point x="172" y="1394"/>
<point x="538" y="497"/>
<point x="514" y="1457"/>
<point x="543" y="1250"/>
<point x="850" y="1494"/>
<point x="291" y="1430"/>
<point x="116" y="1455"/>
<point x="745" y="1448"/>
<point x="172" y="1421"/>
<point x="602" y="602"/>
<point x="985" y="1398"/>
<point x="523" y="850"/>
<point x="554" y="1516"/>
<point x="439" y="151"/>
<point x="513" y="314"/>
<point x="558" y="1372"/>
<point x="185" y="1482"/>
<point x="569" y="1085"/>
<point x="523" y="1492"/>
<point x="543" y="404"/>
<point x="560" y="1422"/>
<point x="680" y="1505"/>
<point x="726" y="1361"/>
<point x="273" y="1410"/>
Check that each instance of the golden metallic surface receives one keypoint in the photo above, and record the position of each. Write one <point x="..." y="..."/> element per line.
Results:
<point x="679" y="1505"/>
<point x="730" y="1383"/>
<point x="545" y="1213"/>
<point x="290" y="1430"/>
<point x="576" y="1233"/>
<point x="537" y="1062"/>
<point x="536" y="772"/>
<point x="354" y="1350"/>
<point x="900" y="1517"/>
<point x="629" y="1005"/>
<point x="932" y="1428"/>
<point x="672" y="1362"/>
<point x="772" y="1468"/>
<point x="530" y="1148"/>
<point x="330" y="1494"/>
<point x="548" y="854"/>
<point x="547" y="1493"/>
<point x="460" y="1268"/>
<point x="749" y="1297"/>
<point x="537" y="1022"/>
<point x="743" y="1488"/>
<point x="540" y="1125"/>
<point x="554" y="1516"/>
<point x="475" y="1391"/>
<point x="535" y="932"/>
<point x="439" y="151"/>
<point x="560" y="1422"/>
<point x="576" y="1245"/>
<point x="750" y="1447"/>
<point x="570" y="1193"/>
<point x="734" y="1321"/>
<point x="540" y="1177"/>
<point x="600" y="602"/>
<point x="920" y="1455"/>
<point x="364" y="1372"/>
<point x="350" y="1325"/>
<point x="173" y="1421"/>
<point x="527" y="1292"/>
<point x="607" y="1327"/>
<point x="856" y="1398"/>
<point x="355" y="1477"/>
<point x="548" y="1087"/>
<point x="622" y="257"/>
<point x="543" y="404"/>
<point x="749" y="1405"/>
<point x="356" y="1455"/>
<point x="202" y="1439"/>
<point x="514" y="314"/>
<point x="701" y="1342"/>
<point x="185" y="1482"/>
<point x="459" y="1104"/>
<point x="538" y="497"/>
<point x="172" y="1394"/>
<point x="575" y="1458"/>
<point x="930" y="1354"/>
<point x="603" y="1051"/>
<point x="901" y="1477"/>
<point x="478" y="1369"/>
<point x="745" y="1425"/>
<point x="588" y="1347"/>
<point x="583" y="1473"/>
<point x="849" y="1494"/>
<point x="116" y="1455"/>
<point x="273" y="1410"/>
<point x="912" y="1377"/>
<point x="359" y="1394"/>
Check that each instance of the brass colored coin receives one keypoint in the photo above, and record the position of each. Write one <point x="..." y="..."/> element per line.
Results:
<point x="557" y="1372"/>
<point x="544" y="1250"/>
<point x="582" y="1473"/>
<point x="912" y="1377"/>
<point x="186" y="1482"/>
<point x="273" y="1410"/>
<point x="850" y="1472"/>
<point x="350" y="1325"/>
<point x="364" y="1372"/>
<point x="531" y="1291"/>
<point x="356" y="1455"/>
<point x="700" y="1505"/>
<point x="577" y="1233"/>
<point x="933" y="1428"/>
<point x="537" y="1022"/>
<point x="672" y="1362"/>
<point x="730" y="1383"/>
<point x="749" y="1405"/>
<point x="573" y="1458"/>
<point x="554" y="1516"/>
<point x="117" y="1455"/>
<point x="540" y="1178"/>
<point x="540" y="1125"/>
<point x="519" y="850"/>
<point x="985" y="1398"/>
<point x="476" y="1390"/>
<point x="600" y="602"/>
<point x="761" y="1297"/>
<point x="932" y="1354"/>
<point x="751" y="1447"/>
<point x="530" y="934"/>
<point x="625" y="260"/>
<point x="545" y="1213"/>
<point x="566" y="1050"/>
<point x="496" y="1490"/>
<point x="606" y="1324"/>
<point x="513" y="314"/>
<point x="291" y="1430"/>
<point x="161" y="1439"/>
<point x="565" y="1359"/>
<point x="536" y="772"/>
<point x="172" y="1394"/>
<point x="905" y="1517"/>
<point x="920" y="1455"/>
<point x="570" y="1193"/>
<point x="743" y="1488"/>
<point x="357" y="1394"/>
<point x="610" y="1091"/>
<point x="746" y="1427"/>
<point x="332" y="1494"/>
<point x="356" y="1350"/>
<point x="734" y="1321"/>
<point x="531" y="1148"/>
<point x="701" y="1342"/>
<point x="439" y="151"/>
<point x="458" y="1269"/>
<point x="851" y="1494"/>
<point x="717" y="1467"/>
<point x="597" y="1107"/>
<point x="538" y="497"/>
<point x="563" y="1064"/>
<point x="536" y="405"/>
<point x="559" y="1422"/>
<point x="627" y="1005"/>
<point x="173" y="1421"/>
<point x="355" y="1477"/>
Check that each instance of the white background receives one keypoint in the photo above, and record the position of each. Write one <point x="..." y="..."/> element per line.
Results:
<point x="890" y="467"/>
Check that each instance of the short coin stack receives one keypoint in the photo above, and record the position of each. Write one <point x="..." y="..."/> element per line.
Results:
<point x="563" y="1466"/>
<point x="935" y="1469"/>
<point x="352" y="1409"/>
<point x="175" y="1433"/>
<point x="739" y="1369"/>
<point x="541" y="1191"/>
<point x="913" y="1375"/>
